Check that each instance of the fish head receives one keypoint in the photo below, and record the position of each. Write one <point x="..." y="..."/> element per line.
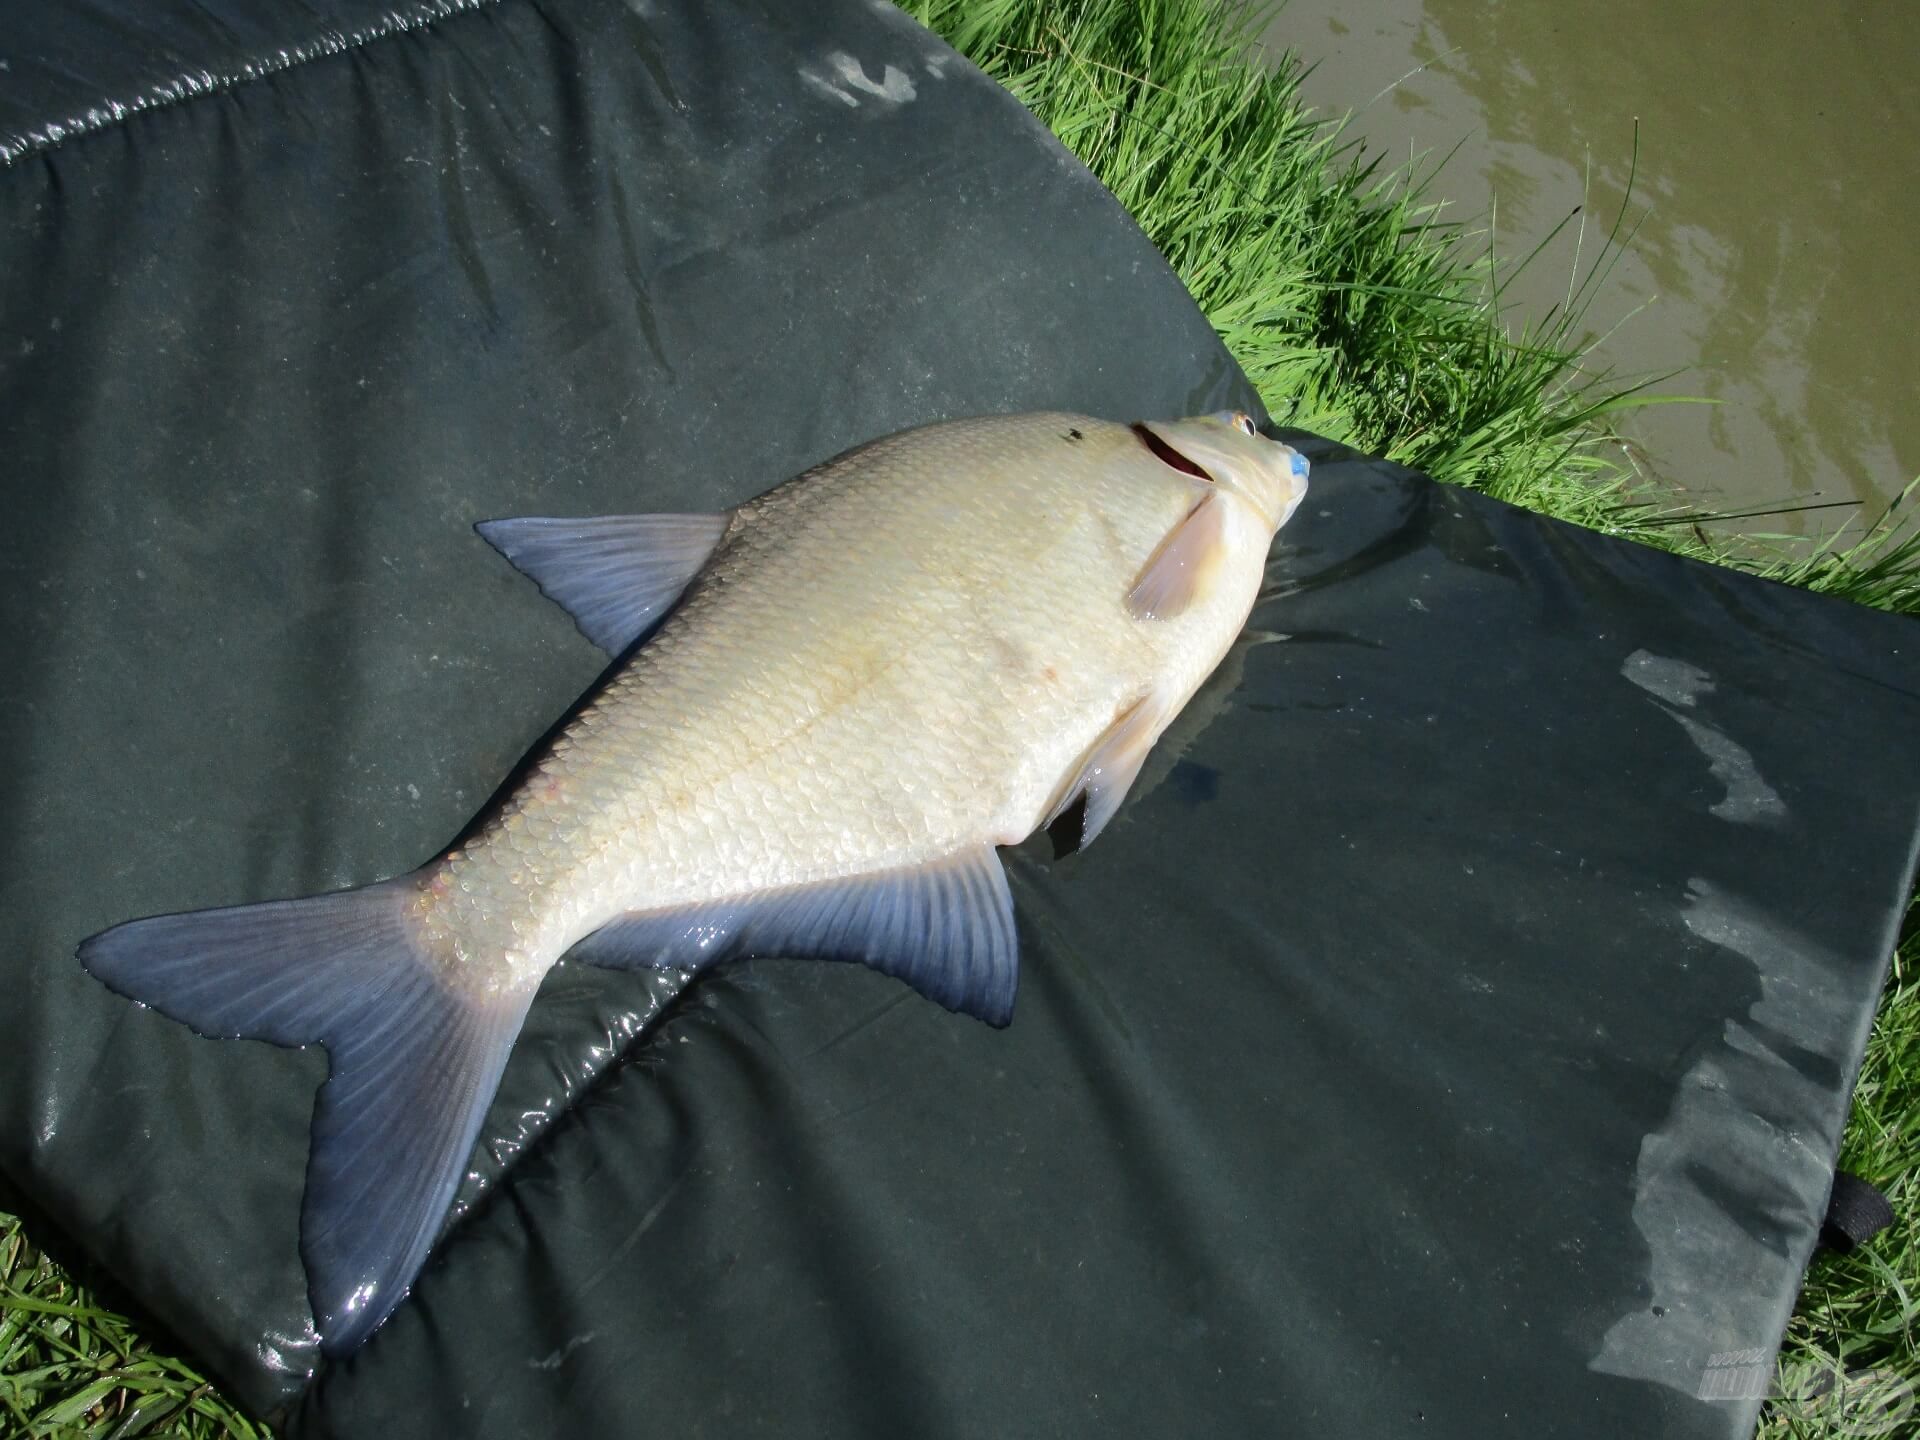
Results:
<point x="1227" y="449"/>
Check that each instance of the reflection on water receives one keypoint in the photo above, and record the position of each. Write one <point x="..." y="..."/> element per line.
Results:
<point x="1776" y="259"/>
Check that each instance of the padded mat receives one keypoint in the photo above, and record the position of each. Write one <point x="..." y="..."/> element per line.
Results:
<point x="1452" y="1034"/>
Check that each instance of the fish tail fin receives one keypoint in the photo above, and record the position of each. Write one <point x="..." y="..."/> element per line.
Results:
<point x="414" y="1063"/>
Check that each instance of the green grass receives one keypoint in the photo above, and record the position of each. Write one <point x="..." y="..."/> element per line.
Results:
<point x="1362" y="312"/>
<point x="1859" y="1314"/>
<point x="70" y="1366"/>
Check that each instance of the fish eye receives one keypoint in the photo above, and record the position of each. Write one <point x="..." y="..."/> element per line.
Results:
<point x="1235" y="419"/>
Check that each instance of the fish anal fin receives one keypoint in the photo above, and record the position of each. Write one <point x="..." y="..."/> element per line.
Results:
<point x="944" y="927"/>
<point x="413" y="1066"/>
<point x="616" y="575"/>
<point x="1111" y="767"/>
<point x="1183" y="566"/>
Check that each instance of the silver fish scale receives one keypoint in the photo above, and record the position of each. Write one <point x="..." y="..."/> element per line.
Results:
<point x="899" y="655"/>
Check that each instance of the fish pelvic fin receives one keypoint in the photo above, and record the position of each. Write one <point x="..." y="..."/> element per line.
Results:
<point x="945" y="927"/>
<point x="617" y="575"/>
<point x="413" y="1064"/>
<point x="1109" y="769"/>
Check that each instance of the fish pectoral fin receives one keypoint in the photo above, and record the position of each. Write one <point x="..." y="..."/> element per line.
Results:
<point x="1184" y="565"/>
<point x="945" y="928"/>
<point x="1111" y="766"/>
<point x="617" y="575"/>
<point x="413" y="1066"/>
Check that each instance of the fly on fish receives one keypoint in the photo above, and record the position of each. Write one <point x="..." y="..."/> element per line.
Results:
<point x="852" y="688"/>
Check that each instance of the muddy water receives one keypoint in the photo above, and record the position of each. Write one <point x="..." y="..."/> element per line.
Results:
<point x="1777" y="260"/>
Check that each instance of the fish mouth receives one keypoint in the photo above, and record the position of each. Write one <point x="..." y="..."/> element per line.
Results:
<point x="1166" y="454"/>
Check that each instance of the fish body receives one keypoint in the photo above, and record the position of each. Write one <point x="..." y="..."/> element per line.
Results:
<point x="852" y="688"/>
<point x="896" y="657"/>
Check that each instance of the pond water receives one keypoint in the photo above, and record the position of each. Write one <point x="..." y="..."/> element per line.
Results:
<point x="1777" y="198"/>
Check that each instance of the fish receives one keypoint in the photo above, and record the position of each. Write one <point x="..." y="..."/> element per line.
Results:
<point x="833" y="702"/>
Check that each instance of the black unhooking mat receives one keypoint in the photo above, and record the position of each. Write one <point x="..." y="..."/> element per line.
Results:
<point x="1452" y="1036"/>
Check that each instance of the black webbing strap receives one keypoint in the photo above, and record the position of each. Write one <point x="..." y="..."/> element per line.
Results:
<point x="1856" y="1212"/>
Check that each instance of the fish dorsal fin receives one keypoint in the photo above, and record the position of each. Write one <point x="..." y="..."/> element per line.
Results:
<point x="1111" y="767"/>
<point x="945" y="927"/>
<point x="617" y="575"/>
<point x="1184" y="565"/>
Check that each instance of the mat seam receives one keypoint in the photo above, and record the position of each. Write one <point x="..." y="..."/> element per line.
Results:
<point x="183" y="88"/>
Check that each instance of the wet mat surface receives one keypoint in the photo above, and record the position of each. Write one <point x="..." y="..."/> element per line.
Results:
<point x="1451" y="1035"/>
